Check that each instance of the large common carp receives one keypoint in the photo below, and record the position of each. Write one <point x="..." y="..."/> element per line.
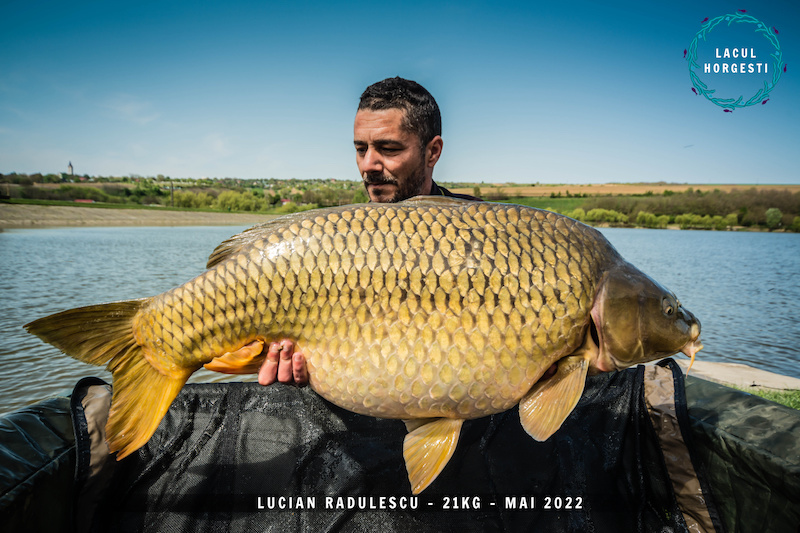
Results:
<point x="432" y="310"/>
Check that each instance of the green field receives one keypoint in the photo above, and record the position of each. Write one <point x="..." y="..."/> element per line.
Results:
<point x="788" y="398"/>
<point x="770" y="207"/>
<point x="560" y="205"/>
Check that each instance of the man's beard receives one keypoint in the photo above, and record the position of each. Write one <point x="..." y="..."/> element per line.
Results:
<point x="408" y="188"/>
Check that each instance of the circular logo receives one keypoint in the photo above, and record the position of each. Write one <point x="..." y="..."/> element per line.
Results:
<point x="727" y="66"/>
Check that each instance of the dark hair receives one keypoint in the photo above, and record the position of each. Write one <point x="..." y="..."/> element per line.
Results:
<point x="421" y="117"/>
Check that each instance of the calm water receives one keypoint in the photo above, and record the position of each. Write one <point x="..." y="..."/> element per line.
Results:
<point x="743" y="287"/>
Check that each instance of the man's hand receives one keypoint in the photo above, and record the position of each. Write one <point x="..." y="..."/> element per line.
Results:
<point x="283" y="364"/>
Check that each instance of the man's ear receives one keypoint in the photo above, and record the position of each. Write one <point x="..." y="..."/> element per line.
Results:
<point x="433" y="151"/>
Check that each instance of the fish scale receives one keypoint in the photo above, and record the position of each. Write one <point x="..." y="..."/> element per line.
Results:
<point x="433" y="308"/>
<point x="470" y="340"/>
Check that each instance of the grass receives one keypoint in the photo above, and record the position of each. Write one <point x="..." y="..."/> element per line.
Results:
<point x="788" y="398"/>
<point x="95" y="205"/>
<point x="109" y="205"/>
<point x="560" y="205"/>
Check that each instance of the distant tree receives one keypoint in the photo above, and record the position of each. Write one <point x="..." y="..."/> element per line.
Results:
<point x="191" y="199"/>
<point x="719" y="223"/>
<point x="684" y="220"/>
<point x="577" y="214"/>
<point x="147" y="192"/>
<point x="774" y="217"/>
<point x="606" y="215"/>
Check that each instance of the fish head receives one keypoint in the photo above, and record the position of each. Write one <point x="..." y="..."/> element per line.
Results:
<point x="635" y="320"/>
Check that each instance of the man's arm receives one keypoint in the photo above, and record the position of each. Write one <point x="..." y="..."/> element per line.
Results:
<point x="283" y="364"/>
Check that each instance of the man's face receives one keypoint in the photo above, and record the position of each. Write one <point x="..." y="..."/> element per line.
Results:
<point x="390" y="160"/>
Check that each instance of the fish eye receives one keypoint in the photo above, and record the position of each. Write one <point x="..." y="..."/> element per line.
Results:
<point x="667" y="307"/>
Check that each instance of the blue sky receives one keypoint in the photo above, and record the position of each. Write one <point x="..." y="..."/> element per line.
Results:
<point x="556" y="92"/>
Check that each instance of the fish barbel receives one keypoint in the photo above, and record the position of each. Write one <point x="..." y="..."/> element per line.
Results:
<point x="432" y="310"/>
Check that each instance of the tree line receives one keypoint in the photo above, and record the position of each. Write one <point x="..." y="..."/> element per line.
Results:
<point x="226" y="194"/>
<point x="716" y="209"/>
<point x="690" y="209"/>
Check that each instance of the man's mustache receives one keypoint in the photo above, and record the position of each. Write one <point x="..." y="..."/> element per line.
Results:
<point x="378" y="179"/>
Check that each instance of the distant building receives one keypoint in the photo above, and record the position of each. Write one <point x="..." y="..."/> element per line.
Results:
<point x="69" y="169"/>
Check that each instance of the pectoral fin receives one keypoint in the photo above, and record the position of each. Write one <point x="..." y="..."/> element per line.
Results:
<point x="427" y="450"/>
<point x="245" y="360"/>
<point x="549" y="403"/>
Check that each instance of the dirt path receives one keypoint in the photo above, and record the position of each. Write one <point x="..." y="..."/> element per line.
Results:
<point x="44" y="216"/>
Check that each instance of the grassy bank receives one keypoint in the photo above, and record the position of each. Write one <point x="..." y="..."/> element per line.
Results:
<point x="787" y="398"/>
<point x="279" y="210"/>
<point x="726" y="208"/>
<point x="94" y="205"/>
<point x="767" y="209"/>
<point x="559" y="205"/>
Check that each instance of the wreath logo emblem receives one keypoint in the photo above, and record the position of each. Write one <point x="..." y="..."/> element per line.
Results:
<point x="696" y="71"/>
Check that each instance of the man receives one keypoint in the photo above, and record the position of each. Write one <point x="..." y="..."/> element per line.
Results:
<point x="398" y="140"/>
<point x="224" y="451"/>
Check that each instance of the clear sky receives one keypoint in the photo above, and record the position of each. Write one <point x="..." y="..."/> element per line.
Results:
<point x="549" y="92"/>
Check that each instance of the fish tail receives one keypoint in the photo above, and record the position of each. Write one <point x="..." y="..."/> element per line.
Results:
<point x="142" y="396"/>
<point x="103" y="335"/>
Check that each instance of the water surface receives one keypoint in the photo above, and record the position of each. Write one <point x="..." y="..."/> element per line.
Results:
<point x="50" y="270"/>
<point x="742" y="286"/>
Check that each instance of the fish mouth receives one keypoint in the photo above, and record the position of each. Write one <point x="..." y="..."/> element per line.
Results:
<point x="691" y="348"/>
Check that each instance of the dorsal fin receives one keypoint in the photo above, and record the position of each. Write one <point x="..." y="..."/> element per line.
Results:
<point x="238" y="242"/>
<point x="241" y="240"/>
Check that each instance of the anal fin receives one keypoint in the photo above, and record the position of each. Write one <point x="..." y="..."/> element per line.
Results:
<point x="414" y="423"/>
<point x="246" y="360"/>
<point x="428" y="448"/>
<point x="549" y="403"/>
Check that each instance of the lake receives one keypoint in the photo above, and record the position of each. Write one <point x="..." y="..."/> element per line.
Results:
<point x="743" y="287"/>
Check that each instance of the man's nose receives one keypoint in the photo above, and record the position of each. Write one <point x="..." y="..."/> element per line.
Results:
<point x="371" y="162"/>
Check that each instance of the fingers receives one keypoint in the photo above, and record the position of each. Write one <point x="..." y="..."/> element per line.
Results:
<point x="268" y="374"/>
<point x="285" y="362"/>
<point x="284" y="365"/>
<point x="299" y="370"/>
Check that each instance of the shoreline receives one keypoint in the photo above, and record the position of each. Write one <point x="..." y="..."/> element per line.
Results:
<point x="738" y="375"/>
<point x="19" y="216"/>
<point x="32" y="216"/>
